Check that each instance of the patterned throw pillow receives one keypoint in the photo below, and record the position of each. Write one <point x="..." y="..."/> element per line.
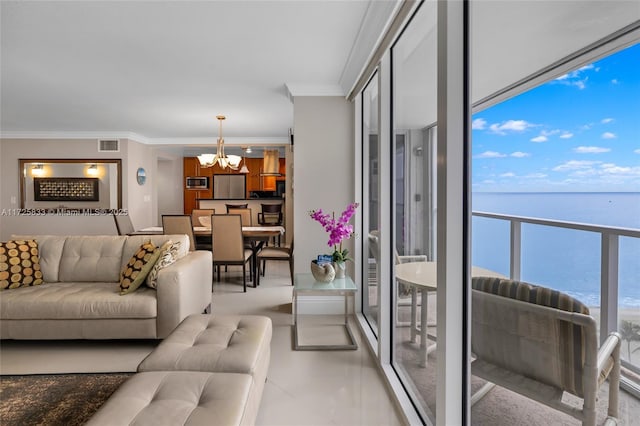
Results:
<point x="19" y="264"/>
<point x="138" y="267"/>
<point x="168" y="255"/>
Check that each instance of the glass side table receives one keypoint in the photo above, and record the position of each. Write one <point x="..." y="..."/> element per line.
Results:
<point x="306" y="285"/>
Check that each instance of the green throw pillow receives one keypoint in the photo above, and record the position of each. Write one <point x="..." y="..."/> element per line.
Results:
<point x="136" y="270"/>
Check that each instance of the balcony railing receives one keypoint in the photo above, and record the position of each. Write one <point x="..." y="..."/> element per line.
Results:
<point x="609" y="241"/>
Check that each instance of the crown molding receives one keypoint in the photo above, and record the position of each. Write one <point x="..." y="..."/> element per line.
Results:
<point x="300" y="89"/>
<point x="374" y="25"/>
<point x="238" y="140"/>
<point x="211" y="140"/>
<point x="74" y="135"/>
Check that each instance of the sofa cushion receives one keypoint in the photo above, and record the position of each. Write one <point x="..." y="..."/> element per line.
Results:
<point x="19" y="264"/>
<point x="136" y="270"/>
<point x="72" y="300"/>
<point x="178" y="398"/>
<point x="168" y="254"/>
<point x="91" y="258"/>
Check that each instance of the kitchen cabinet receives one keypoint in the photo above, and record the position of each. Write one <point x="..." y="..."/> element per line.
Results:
<point x="191" y="167"/>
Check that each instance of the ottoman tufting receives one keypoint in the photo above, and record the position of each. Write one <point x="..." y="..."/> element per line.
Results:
<point x="179" y="398"/>
<point x="227" y="344"/>
<point x="218" y="344"/>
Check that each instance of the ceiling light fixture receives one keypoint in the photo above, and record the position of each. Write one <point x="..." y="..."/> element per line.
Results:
<point x="37" y="170"/>
<point x="244" y="168"/>
<point x="224" y="161"/>
<point x="93" y="170"/>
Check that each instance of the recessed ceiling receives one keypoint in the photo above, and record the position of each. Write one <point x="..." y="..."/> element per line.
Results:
<point x="166" y="69"/>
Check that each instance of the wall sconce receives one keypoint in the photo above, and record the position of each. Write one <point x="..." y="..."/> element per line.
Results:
<point x="37" y="170"/>
<point x="92" y="170"/>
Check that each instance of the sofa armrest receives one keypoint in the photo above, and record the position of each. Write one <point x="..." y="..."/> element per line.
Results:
<point x="184" y="288"/>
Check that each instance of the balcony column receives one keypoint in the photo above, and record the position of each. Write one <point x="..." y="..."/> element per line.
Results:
<point x="608" y="285"/>
<point x="516" y="250"/>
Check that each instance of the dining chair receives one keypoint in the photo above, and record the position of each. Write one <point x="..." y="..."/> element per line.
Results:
<point x="228" y="244"/>
<point x="271" y="215"/>
<point x="124" y="226"/>
<point x="245" y="215"/>
<point x="236" y="206"/>
<point x="275" y="253"/>
<point x="181" y="224"/>
<point x="202" y="217"/>
<point x="403" y="291"/>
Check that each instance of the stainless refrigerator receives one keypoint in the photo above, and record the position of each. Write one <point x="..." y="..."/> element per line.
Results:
<point x="229" y="187"/>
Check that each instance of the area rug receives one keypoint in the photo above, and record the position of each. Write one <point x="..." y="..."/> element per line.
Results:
<point x="55" y="399"/>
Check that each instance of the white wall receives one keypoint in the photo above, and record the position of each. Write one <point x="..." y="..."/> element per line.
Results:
<point x="141" y="201"/>
<point x="323" y="176"/>
<point x="169" y="187"/>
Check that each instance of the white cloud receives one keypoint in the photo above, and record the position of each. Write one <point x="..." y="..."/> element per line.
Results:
<point x="519" y="154"/>
<point x="566" y="135"/>
<point x="606" y="120"/>
<point x="612" y="169"/>
<point x="591" y="150"/>
<point x="615" y="81"/>
<point x="479" y="124"/>
<point x="540" y="138"/>
<point x="608" y="135"/>
<point x="508" y="174"/>
<point x="510" y="126"/>
<point x="535" y="176"/>
<point x="491" y="154"/>
<point x="488" y="181"/>
<point x="576" y="78"/>
<point x="575" y="165"/>
<point x="636" y="151"/>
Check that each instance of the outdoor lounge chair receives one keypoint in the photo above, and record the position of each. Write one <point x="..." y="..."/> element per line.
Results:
<point x="541" y="343"/>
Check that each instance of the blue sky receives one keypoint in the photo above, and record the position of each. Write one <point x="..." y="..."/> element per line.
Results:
<point x="579" y="132"/>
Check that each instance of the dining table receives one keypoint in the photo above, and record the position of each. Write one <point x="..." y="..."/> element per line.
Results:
<point x="422" y="277"/>
<point x="255" y="236"/>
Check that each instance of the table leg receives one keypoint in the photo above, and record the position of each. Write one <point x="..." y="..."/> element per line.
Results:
<point x="346" y="307"/>
<point x="423" y="329"/>
<point x="414" y="307"/>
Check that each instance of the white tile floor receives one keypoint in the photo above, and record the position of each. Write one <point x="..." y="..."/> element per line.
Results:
<point x="307" y="387"/>
<point x="303" y="387"/>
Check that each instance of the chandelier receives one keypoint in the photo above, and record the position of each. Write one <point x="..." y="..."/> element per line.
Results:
<point x="224" y="161"/>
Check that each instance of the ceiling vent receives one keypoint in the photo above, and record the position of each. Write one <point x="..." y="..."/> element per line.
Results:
<point x="109" y="145"/>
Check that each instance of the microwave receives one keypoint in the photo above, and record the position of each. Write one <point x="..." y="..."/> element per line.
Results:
<point x="197" y="182"/>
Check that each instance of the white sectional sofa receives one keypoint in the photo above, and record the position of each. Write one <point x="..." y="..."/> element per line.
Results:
<point x="81" y="299"/>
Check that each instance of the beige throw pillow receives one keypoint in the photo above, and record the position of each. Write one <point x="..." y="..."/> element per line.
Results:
<point x="168" y="255"/>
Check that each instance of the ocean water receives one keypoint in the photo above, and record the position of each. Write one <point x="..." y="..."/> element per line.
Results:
<point x="564" y="259"/>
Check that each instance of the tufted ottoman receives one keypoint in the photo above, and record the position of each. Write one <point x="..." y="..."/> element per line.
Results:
<point x="209" y="370"/>
<point x="178" y="398"/>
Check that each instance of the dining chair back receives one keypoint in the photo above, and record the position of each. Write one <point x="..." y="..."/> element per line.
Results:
<point x="236" y="206"/>
<point x="271" y="215"/>
<point x="202" y="217"/>
<point x="124" y="226"/>
<point x="179" y="224"/>
<point x="228" y="244"/>
<point x="275" y="253"/>
<point x="245" y="215"/>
